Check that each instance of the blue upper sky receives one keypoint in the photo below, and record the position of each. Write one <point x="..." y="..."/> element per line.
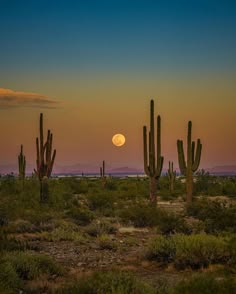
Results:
<point x="116" y="35"/>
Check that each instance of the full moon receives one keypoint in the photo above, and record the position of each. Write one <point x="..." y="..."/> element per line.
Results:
<point x="118" y="140"/>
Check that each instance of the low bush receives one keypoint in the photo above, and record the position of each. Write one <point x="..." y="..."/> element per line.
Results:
<point x="99" y="228"/>
<point x="15" y="267"/>
<point x="194" y="251"/>
<point x="106" y="243"/>
<point x="81" y="216"/>
<point x="205" y="284"/>
<point x="112" y="282"/>
<point x="217" y="215"/>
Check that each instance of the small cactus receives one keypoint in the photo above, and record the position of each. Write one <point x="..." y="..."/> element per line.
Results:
<point x="102" y="174"/>
<point x="21" y="164"/>
<point x="171" y="176"/>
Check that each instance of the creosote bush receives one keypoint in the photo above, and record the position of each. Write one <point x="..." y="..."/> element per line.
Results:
<point x="193" y="251"/>
<point x="112" y="282"/>
<point x="205" y="283"/>
<point x="15" y="267"/>
<point x="218" y="216"/>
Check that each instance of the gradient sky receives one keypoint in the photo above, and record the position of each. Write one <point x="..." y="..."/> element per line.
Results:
<point x="92" y="66"/>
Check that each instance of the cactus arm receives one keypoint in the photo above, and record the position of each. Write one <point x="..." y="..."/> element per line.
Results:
<point x="181" y="159"/>
<point x="146" y="167"/>
<point x="197" y="158"/>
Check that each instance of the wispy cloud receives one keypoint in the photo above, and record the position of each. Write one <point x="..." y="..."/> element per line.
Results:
<point x="14" y="99"/>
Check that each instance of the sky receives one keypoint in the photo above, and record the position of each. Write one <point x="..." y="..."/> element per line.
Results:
<point x="92" y="67"/>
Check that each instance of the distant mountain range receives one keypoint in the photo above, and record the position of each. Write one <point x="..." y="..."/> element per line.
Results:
<point x="78" y="169"/>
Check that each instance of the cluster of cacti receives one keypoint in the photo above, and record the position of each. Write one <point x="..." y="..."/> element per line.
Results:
<point x="153" y="161"/>
<point x="103" y="174"/>
<point x="21" y="164"/>
<point x="171" y="176"/>
<point x="45" y="160"/>
<point x="193" y="160"/>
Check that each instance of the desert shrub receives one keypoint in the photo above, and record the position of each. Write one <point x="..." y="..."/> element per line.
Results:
<point x="140" y="215"/>
<point x="99" y="228"/>
<point x="112" y="282"/>
<point x="3" y="217"/>
<point x="148" y="216"/>
<point x="170" y="223"/>
<point x="194" y="251"/>
<point x="229" y="187"/>
<point x="15" y="267"/>
<point x="10" y="282"/>
<point x="10" y="243"/>
<point x="61" y="234"/>
<point x="214" y="188"/>
<point x="216" y="215"/>
<point x="106" y="243"/>
<point x="161" y="249"/>
<point x="102" y="201"/>
<point x="205" y="284"/>
<point x="22" y="226"/>
<point x="81" y="216"/>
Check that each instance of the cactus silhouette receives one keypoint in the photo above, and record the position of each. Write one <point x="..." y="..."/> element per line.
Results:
<point x="21" y="164"/>
<point x="193" y="160"/>
<point x="153" y="161"/>
<point x="102" y="174"/>
<point x="171" y="176"/>
<point x="45" y="160"/>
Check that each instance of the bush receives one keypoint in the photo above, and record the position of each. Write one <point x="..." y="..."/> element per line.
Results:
<point x="205" y="284"/>
<point x="194" y="251"/>
<point x="99" y="228"/>
<point x="140" y="215"/>
<point x="112" y="282"/>
<point x="197" y="251"/>
<point x="81" y="216"/>
<point x="15" y="267"/>
<point x="29" y="266"/>
<point x="105" y="242"/>
<point x="101" y="201"/>
<point x="161" y="249"/>
<point x="148" y="216"/>
<point x="216" y="215"/>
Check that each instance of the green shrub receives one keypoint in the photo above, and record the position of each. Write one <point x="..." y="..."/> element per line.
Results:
<point x="105" y="242"/>
<point x="194" y="251"/>
<point x="197" y="251"/>
<point x="29" y="266"/>
<point x="82" y="216"/>
<point x="10" y="281"/>
<point x="205" y="284"/>
<point x="99" y="228"/>
<point x="140" y="215"/>
<point x="216" y="215"/>
<point x="161" y="249"/>
<point x="101" y="201"/>
<point x="113" y="282"/>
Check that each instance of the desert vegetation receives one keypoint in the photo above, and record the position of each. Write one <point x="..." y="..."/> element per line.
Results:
<point x="164" y="233"/>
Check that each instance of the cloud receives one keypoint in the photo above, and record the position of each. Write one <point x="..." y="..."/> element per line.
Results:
<point x="14" y="99"/>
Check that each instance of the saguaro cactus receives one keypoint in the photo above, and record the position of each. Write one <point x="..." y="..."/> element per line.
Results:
<point x="45" y="160"/>
<point x="21" y="164"/>
<point x="193" y="160"/>
<point x="171" y="176"/>
<point x="153" y="162"/>
<point x="102" y="174"/>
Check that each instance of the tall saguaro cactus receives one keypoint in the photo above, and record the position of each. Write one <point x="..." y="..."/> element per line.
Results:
<point x="171" y="176"/>
<point x="153" y="161"/>
<point x="102" y="174"/>
<point x="193" y="160"/>
<point x="45" y="159"/>
<point x="21" y="164"/>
